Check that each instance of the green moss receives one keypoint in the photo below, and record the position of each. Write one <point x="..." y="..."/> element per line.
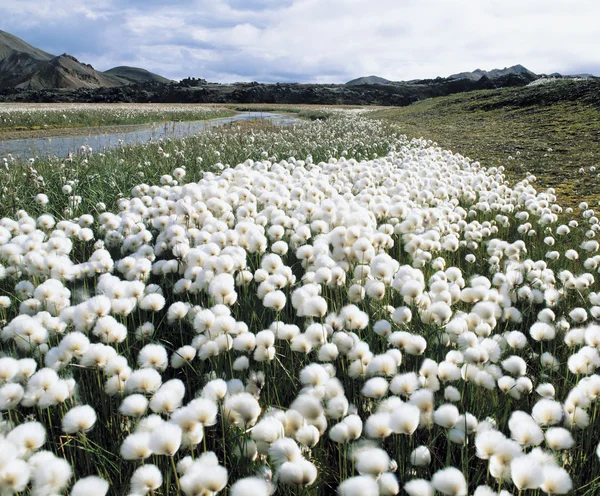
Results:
<point x="516" y="128"/>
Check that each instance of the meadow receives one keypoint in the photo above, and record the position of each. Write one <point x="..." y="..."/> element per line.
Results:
<point x="548" y="130"/>
<point x="327" y="307"/>
<point x="40" y="116"/>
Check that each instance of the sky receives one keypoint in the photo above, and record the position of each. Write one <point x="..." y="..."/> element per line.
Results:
<point x="318" y="41"/>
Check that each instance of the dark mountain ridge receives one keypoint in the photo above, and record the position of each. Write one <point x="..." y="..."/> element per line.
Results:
<point x="27" y="67"/>
<point x="321" y="94"/>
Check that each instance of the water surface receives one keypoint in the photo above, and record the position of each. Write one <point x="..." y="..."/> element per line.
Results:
<point x="61" y="145"/>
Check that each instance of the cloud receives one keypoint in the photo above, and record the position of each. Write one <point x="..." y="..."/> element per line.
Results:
<point x="313" y="40"/>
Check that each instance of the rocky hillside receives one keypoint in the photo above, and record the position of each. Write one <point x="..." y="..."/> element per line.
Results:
<point x="10" y="45"/>
<point x="63" y="71"/>
<point x="23" y="66"/>
<point x="398" y="94"/>
<point x="477" y="74"/>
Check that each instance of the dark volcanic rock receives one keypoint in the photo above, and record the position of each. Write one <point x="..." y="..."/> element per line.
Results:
<point x="199" y="91"/>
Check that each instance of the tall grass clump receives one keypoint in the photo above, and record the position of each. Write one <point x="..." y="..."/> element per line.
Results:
<point x="326" y="308"/>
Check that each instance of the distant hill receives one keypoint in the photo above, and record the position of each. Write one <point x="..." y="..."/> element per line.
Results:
<point x="133" y="75"/>
<point x="368" y="80"/>
<point x="27" y="67"/>
<point x="477" y="74"/>
<point x="63" y="71"/>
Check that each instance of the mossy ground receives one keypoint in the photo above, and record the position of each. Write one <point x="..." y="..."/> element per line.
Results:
<point x="516" y="128"/>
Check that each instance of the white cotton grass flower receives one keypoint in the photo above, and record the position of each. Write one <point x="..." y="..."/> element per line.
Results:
<point x="404" y="384"/>
<point x="339" y="433"/>
<point x="419" y="487"/>
<point x="10" y="396"/>
<point x="355" y="426"/>
<point x="559" y="438"/>
<point x="404" y="419"/>
<point x="450" y="481"/>
<point x="144" y="381"/>
<point x="578" y="315"/>
<point x="375" y="388"/>
<point x="9" y="368"/>
<point x="275" y="300"/>
<point x="165" y="400"/>
<point x="361" y="485"/>
<point x="153" y="356"/>
<point x="51" y="476"/>
<point x="146" y="479"/>
<point x="515" y="365"/>
<point x="526" y="473"/>
<point x="452" y="394"/>
<point x="182" y="356"/>
<point x="205" y="475"/>
<point x="79" y="419"/>
<point x="556" y="480"/>
<point x="309" y="406"/>
<point x="308" y="436"/>
<point x="152" y="302"/>
<point x="134" y="405"/>
<point x="547" y="412"/>
<point x="542" y="331"/>
<point x="446" y="416"/>
<point x="284" y="450"/>
<point x="16" y="474"/>
<point x="90" y="486"/>
<point x="268" y="430"/>
<point x="546" y="390"/>
<point x="377" y="426"/>
<point x="371" y="461"/>
<point x="487" y="443"/>
<point x="420" y="456"/>
<point x="28" y="436"/>
<point x="250" y="486"/>
<point x="524" y="429"/>
<point x="488" y="491"/>
<point x="166" y="439"/>
<point x="388" y="484"/>
<point x="136" y="446"/>
<point x="242" y="409"/>
<point x="215" y="390"/>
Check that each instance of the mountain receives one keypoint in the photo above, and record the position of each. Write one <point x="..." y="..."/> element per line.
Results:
<point x="584" y="75"/>
<point x="477" y="74"/>
<point x="66" y="71"/>
<point x="10" y="45"/>
<point x="368" y="80"/>
<point x="133" y="75"/>
<point x="27" y="67"/>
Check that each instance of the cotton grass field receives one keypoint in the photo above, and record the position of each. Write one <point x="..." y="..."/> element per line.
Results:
<point x="39" y="116"/>
<point x="314" y="309"/>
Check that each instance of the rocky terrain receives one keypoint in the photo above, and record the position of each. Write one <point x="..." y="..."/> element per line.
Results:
<point x="25" y="67"/>
<point x="399" y="94"/>
<point x="477" y="74"/>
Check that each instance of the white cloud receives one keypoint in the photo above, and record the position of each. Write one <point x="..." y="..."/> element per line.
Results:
<point x="330" y="40"/>
<point x="35" y="12"/>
